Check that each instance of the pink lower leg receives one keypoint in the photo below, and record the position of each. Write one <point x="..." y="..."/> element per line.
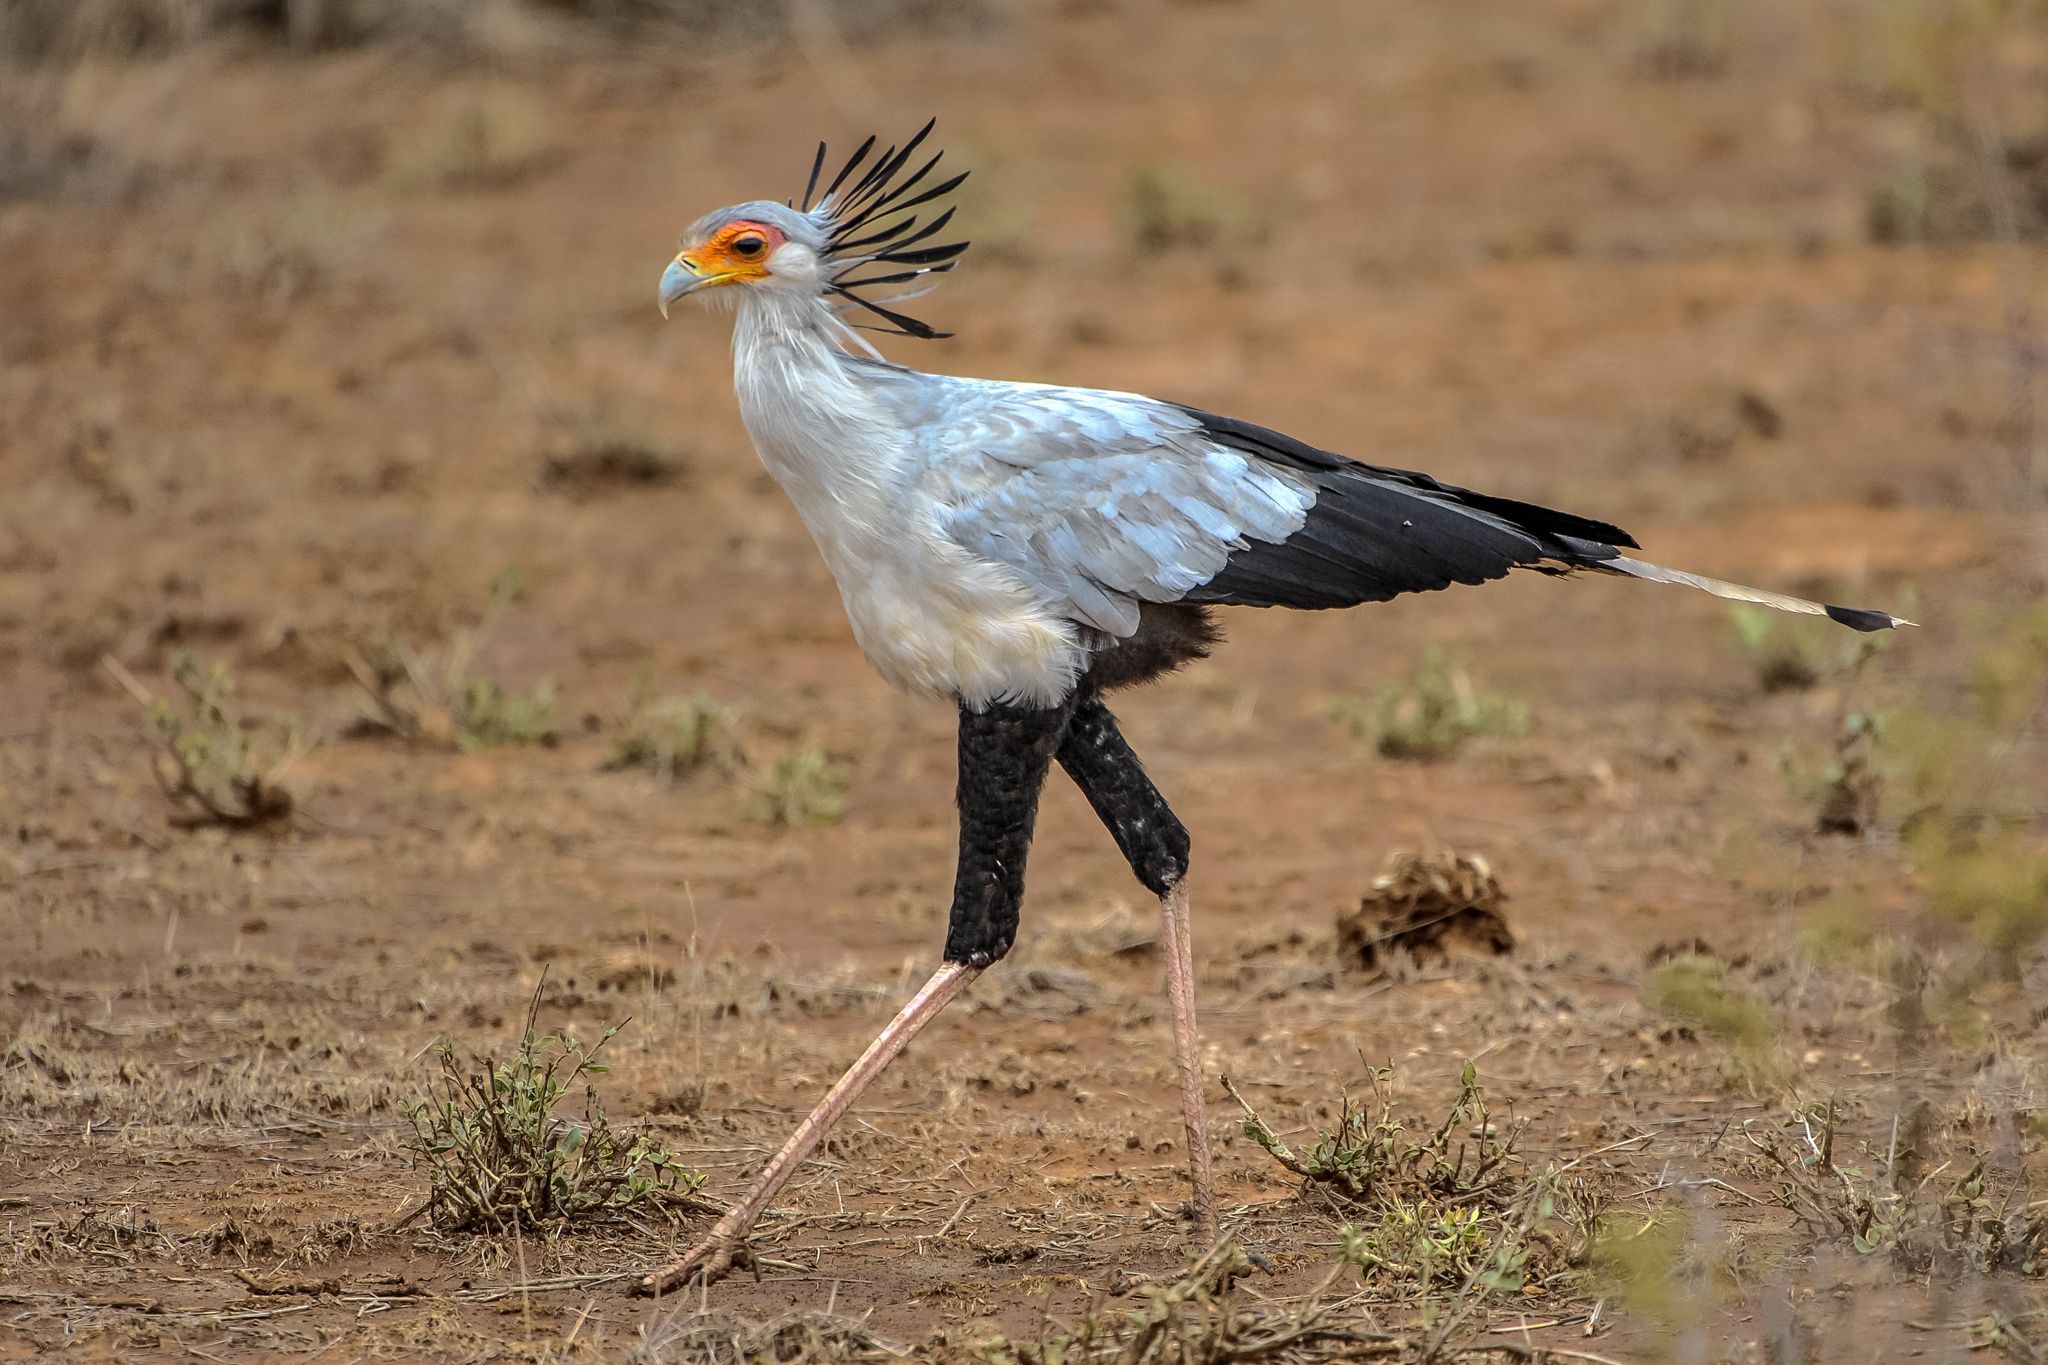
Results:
<point x="1187" y="1055"/>
<point x="715" y="1252"/>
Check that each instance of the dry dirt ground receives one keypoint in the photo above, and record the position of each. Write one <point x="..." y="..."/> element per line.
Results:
<point x="289" y="343"/>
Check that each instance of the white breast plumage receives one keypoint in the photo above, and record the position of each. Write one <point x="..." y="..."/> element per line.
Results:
<point x="930" y="616"/>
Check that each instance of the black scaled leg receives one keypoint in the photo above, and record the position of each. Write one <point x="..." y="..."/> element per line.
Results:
<point x="1096" y="756"/>
<point x="1155" y="843"/>
<point x="1005" y="752"/>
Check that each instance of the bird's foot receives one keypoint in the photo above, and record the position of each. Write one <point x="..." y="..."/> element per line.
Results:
<point x="706" y="1263"/>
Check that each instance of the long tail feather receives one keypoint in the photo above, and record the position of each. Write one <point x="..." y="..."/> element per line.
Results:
<point x="1855" y="618"/>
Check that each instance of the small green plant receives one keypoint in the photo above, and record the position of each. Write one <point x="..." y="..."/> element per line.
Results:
<point x="1698" y="993"/>
<point x="2009" y="671"/>
<point x="488" y="141"/>
<point x="310" y="240"/>
<point x="1166" y="208"/>
<point x="438" y="699"/>
<point x="498" y="1156"/>
<point x="1450" y="1204"/>
<point x="1903" y="207"/>
<point x="486" y="715"/>
<point x="207" y="767"/>
<point x="1640" y="1262"/>
<point x="1431" y="713"/>
<point x="674" y="736"/>
<point x="806" y="788"/>
<point x="1970" y="1221"/>
<point x="1782" y="655"/>
<point x="1410" y="1241"/>
<point x="1684" y="39"/>
<point x="1790" y="654"/>
<point x="1372" y="1149"/>
<point x="1850" y="789"/>
<point x="1967" y="778"/>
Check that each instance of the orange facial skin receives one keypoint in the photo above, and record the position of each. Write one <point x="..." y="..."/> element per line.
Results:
<point x="736" y="253"/>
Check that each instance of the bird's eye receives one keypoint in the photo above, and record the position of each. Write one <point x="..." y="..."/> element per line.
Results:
<point x="749" y="247"/>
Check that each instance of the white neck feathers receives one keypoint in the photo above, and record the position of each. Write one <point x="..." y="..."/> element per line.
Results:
<point x="811" y="414"/>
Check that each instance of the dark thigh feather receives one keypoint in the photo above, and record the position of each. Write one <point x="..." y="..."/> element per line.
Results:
<point x="1169" y="635"/>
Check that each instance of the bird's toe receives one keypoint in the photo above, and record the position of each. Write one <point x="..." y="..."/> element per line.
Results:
<point x="706" y="1263"/>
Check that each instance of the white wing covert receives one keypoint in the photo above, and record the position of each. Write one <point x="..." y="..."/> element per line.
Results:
<point x="1101" y="501"/>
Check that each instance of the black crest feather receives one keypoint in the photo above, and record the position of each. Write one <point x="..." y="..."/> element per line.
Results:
<point x="872" y="221"/>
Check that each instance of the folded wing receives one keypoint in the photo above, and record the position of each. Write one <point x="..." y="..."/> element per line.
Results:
<point x="1105" y="501"/>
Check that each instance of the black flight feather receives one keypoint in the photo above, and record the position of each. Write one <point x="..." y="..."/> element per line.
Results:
<point x="1375" y="533"/>
<point x="1286" y="450"/>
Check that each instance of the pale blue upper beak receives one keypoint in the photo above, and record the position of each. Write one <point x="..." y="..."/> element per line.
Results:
<point x="677" y="281"/>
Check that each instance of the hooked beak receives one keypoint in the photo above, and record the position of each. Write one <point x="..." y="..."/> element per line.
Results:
<point x="681" y="279"/>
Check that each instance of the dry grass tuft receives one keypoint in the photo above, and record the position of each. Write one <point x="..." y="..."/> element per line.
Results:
<point x="63" y="1070"/>
<point x="1197" y="1318"/>
<point x="608" y="462"/>
<point x="1683" y="39"/>
<point x="41" y="30"/>
<point x="286" y="252"/>
<point x="499" y="1157"/>
<point x="1200" y="1319"/>
<point x="110" y="1234"/>
<point x="491" y="140"/>
<point x="440" y="704"/>
<point x="1424" y="904"/>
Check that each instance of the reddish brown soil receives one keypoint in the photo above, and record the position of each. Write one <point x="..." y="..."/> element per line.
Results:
<point x="272" y="386"/>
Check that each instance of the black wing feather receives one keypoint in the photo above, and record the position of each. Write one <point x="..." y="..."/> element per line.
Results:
<point x="1375" y="533"/>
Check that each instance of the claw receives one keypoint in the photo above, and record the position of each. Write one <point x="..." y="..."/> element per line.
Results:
<point x="706" y="1263"/>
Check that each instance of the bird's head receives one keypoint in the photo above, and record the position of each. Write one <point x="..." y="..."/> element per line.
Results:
<point x="759" y="246"/>
<point x="817" y="249"/>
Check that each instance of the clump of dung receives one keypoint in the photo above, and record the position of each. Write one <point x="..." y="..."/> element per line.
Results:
<point x="1426" y="906"/>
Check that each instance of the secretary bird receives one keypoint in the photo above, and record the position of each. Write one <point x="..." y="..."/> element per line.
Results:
<point x="1024" y="549"/>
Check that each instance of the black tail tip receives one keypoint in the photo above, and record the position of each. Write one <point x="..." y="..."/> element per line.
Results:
<point x="1857" y="619"/>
